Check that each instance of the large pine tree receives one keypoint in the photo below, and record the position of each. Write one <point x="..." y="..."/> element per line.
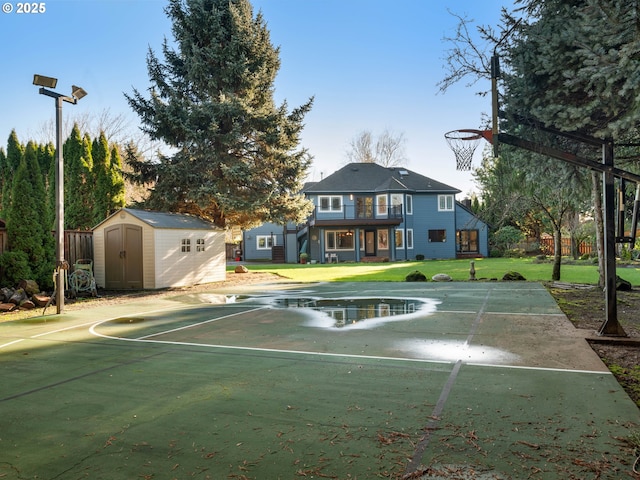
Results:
<point x="237" y="158"/>
<point x="574" y="66"/>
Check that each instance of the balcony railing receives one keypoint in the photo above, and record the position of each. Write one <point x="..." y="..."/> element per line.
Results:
<point x="354" y="212"/>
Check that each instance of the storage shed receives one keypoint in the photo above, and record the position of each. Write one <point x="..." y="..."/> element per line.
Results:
<point x="139" y="249"/>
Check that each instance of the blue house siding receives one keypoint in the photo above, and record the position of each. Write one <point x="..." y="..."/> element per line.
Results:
<point x="427" y="218"/>
<point x="256" y="243"/>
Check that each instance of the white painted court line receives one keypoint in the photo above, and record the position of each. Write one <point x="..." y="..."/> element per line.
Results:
<point x="267" y="350"/>
<point x="72" y="327"/>
<point x="12" y="343"/>
<point x="541" y="369"/>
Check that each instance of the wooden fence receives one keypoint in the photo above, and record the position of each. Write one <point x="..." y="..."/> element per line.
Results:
<point x="78" y="245"/>
<point x="548" y="248"/>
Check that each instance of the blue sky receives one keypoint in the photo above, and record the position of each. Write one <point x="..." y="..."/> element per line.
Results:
<point x="370" y="64"/>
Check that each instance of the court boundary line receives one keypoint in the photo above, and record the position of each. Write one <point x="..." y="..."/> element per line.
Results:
<point x="146" y="339"/>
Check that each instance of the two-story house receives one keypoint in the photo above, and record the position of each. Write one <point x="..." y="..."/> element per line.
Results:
<point x="367" y="212"/>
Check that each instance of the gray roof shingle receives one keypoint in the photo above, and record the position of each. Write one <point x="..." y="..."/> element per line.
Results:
<point x="371" y="177"/>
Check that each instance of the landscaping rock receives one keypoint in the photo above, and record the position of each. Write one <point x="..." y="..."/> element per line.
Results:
<point x="441" y="277"/>
<point x="513" y="276"/>
<point x="40" y="300"/>
<point x="241" y="269"/>
<point x="27" y="304"/>
<point x="7" y="307"/>
<point x="18" y="297"/>
<point x="5" y="294"/>
<point x="29" y="286"/>
<point x="415" y="276"/>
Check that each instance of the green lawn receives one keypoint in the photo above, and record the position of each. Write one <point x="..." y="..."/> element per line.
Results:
<point x="486" y="268"/>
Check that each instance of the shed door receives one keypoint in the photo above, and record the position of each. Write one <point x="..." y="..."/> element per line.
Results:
<point x="123" y="257"/>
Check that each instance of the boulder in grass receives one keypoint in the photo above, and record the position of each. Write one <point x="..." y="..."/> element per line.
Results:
<point x="441" y="277"/>
<point x="241" y="269"/>
<point x="415" y="276"/>
<point x="513" y="276"/>
<point x="622" y="285"/>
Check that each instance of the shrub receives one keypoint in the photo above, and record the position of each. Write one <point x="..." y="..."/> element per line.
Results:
<point x="507" y="237"/>
<point x="419" y="257"/>
<point x="514" y="253"/>
<point x="14" y="266"/>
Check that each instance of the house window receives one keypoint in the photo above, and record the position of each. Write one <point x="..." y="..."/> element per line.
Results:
<point x="265" y="242"/>
<point x="399" y="238"/>
<point x="186" y="245"/>
<point x="339" y="240"/>
<point x="396" y="204"/>
<point x="364" y="207"/>
<point x="200" y="245"/>
<point x="410" y="238"/>
<point x="383" y="240"/>
<point x="330" y="204"/>
<point x="408" y="204"/>
<point x="467" y="241"/>
<point x="445" y="203"/>
<point x="382" y="205"/>
<point x="437" y="235"/>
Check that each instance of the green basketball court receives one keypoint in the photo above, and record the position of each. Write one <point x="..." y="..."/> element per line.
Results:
<point x="336" y="380"/>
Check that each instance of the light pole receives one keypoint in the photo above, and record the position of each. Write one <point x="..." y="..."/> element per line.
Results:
<point x="76" y="94"/>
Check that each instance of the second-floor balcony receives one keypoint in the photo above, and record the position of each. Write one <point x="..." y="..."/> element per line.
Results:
<point x="354" y="215"/>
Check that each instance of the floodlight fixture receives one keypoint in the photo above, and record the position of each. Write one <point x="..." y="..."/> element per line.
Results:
<point x="78" y="92"/>
<point x="43" y="81"/>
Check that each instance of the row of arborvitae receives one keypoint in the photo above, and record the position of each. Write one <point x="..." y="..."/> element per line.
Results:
<point x="26" y="297"/>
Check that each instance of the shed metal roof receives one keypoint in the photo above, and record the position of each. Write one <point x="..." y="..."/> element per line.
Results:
<point x="168" y="220"/>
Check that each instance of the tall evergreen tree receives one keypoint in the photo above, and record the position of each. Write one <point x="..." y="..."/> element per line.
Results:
<point x="575" y="66"/>
<point x="26" y="231"/>
<point x="3" y="175"/>
<point x="116" y="182"/>
<point x="15" y="152"/>
<point x="237" y="157"/>
<point x="78" y="181"/>
<point x="101" y="169"/>
<point x="109" y="194"/>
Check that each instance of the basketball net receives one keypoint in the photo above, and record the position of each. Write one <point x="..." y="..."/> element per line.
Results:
<point x="464" y="144"/>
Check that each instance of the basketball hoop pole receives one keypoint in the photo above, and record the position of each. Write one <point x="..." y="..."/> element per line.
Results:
<point x="495" y="74"/>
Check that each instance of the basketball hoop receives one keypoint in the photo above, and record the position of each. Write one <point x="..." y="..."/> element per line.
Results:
<point x="464" y="143"/>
